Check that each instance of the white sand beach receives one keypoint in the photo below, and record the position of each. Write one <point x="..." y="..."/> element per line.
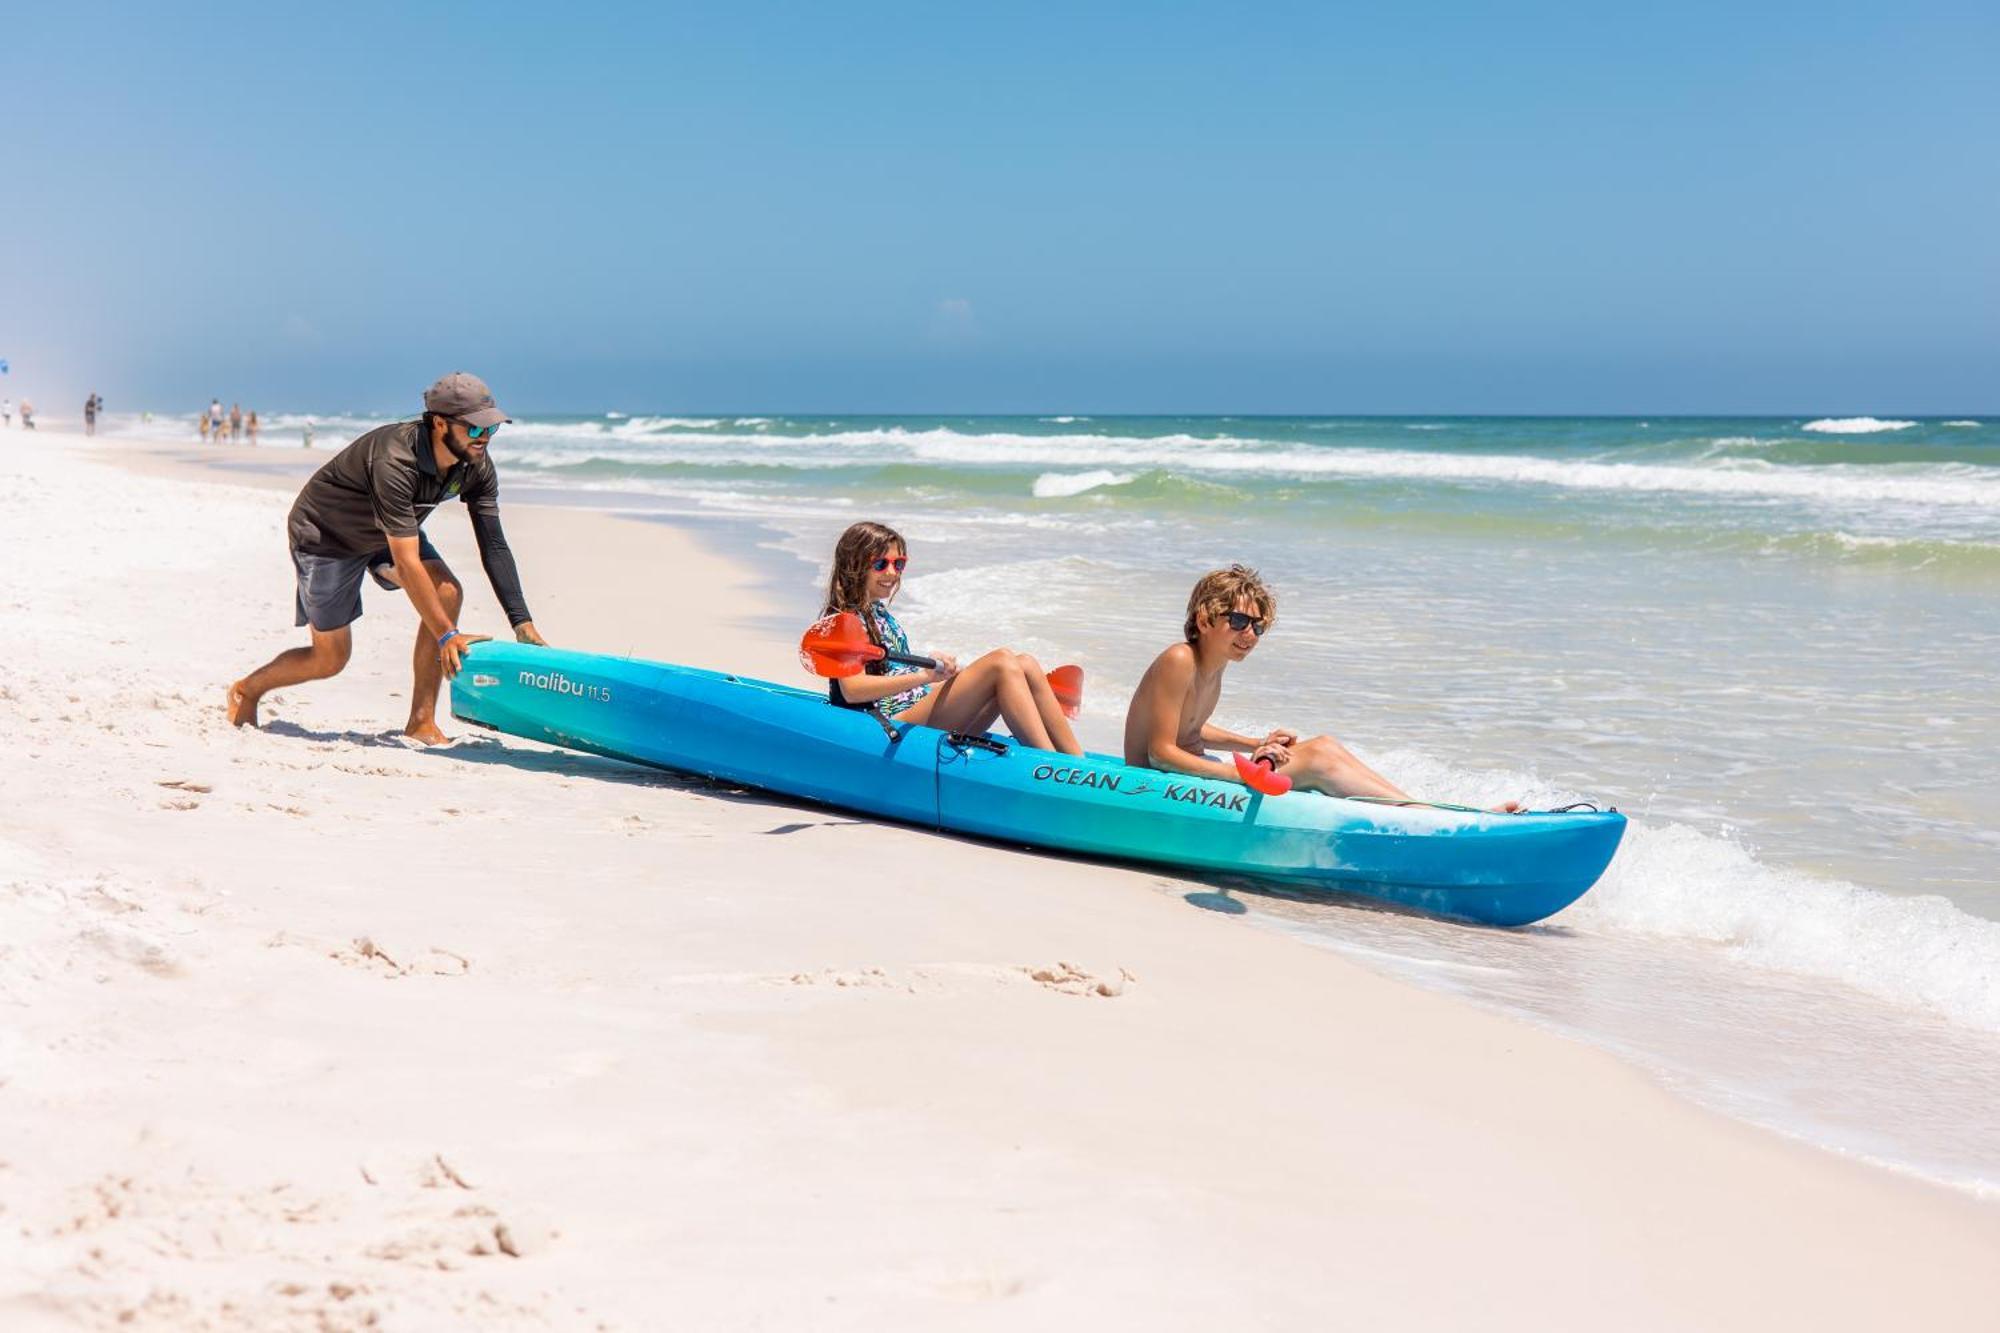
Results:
<point x="306" y="1029"/>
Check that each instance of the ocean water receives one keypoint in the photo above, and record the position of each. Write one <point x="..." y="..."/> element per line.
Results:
<point x="1772" y="642"/>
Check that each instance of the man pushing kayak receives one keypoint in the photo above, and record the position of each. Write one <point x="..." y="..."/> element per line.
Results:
<point x="363" y="513"/>
<point x="1167" y="724"/>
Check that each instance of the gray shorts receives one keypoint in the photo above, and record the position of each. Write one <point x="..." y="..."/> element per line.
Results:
<point x="329" y="592"/>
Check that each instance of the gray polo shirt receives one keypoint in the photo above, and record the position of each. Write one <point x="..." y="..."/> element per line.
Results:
<point x="385" y="485"/>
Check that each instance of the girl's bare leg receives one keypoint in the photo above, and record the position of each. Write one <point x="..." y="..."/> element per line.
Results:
<point x="968" y="700"/>
<point x="1061" y="735"/>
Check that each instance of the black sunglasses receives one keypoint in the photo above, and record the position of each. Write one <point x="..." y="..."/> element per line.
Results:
<point x="1242" y="620"/>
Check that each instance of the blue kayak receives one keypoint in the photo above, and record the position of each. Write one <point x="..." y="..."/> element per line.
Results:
<point x="1502" y="870"/>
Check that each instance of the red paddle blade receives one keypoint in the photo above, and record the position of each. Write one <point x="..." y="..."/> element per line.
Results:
<point x="1261" y="779"/>
<point x="837" y="646"/>
<point x="1067" y="682"/>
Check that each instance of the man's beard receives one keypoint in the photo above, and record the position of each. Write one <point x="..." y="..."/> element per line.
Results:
<point x="462" y="452"/>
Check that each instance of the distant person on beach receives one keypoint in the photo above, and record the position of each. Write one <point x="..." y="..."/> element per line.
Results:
<point x="1167" y="724"/>
<point x="215" y="419"/>
<point x="90" y="415"/>
<point x="201" y="427"/>
<point x="235" y="422"/>
<point x="362" y="513"/>
<point x="27" y="415"/>
<point x="306" y="437"/>
<point x="868" y="564"/>
<point x="7" y="412"/>
<point x="251" y="426"/>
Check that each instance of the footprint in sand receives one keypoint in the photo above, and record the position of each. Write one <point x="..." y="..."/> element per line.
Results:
<point x="285" y="1257"/>
<point x="430" y="962"/>
<point x="433" y="1238"/>
<point x="1067" y="978"/>
<point x="191" y="801"/>
<point x="979" y="1288"/>
<point x="391" y="962"/>
<point x="109" y="901"/>
<point x="470" y="1232"/>
<point x="1073" y="980"/>
<point x="134" y="947"/>
<point x="866" y="977"/>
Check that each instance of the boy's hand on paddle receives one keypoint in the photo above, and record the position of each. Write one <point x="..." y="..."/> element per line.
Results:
<point x="452" y="652"/>
<point x="1279" y="755"/>
<point x="946" y="668"/>
<point x="1280" y="736"/>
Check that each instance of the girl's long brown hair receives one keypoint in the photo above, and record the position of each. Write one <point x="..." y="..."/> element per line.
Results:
<point x="858" y="548"/>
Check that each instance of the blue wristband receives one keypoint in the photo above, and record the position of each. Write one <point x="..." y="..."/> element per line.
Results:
<point x="446" y="638"/>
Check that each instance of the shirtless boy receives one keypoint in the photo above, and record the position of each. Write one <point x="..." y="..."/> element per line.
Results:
<point x="1167" y="725"/>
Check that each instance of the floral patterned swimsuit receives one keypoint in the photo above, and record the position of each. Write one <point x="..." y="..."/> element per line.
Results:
<point x="892" y="637"/>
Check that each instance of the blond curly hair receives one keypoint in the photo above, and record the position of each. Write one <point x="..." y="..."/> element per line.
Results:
<point x="1220" y="589"/>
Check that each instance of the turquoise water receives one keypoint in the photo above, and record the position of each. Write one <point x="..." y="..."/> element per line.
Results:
<point x="1770" y="641"/>
<point x="1780" y="628"/>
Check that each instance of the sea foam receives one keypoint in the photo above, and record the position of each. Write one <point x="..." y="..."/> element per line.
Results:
<point x="1854" y="425"/>
<point x="1059" y="485"/>
<point x="1674" y="880"/>
<point x="1948" y="486"/>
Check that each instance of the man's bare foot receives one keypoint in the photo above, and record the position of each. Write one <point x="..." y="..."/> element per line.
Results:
<point x="427" y="733"/>
<point x="240" y="708"/>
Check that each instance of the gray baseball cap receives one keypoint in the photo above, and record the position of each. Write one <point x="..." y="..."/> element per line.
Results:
<point x="465" y="396"/>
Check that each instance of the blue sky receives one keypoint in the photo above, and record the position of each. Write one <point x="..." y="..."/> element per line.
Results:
<point x="936" y="207"/>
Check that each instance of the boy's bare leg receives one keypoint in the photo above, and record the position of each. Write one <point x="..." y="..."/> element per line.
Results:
<point x="1323" y="764"/>
<point x="326" y="656"/>
<point x="427" y="672"/>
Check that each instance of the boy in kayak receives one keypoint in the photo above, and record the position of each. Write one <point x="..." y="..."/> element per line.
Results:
<point x="1004" y="685"/>
<point x="1167" y="725"/>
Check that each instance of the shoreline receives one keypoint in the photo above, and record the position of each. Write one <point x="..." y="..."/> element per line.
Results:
<point x="747" y="1032"/>
<point x="1720" y="1082"/>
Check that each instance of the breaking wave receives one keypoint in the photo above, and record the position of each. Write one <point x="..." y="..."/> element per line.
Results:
<point x="1854" y="425"/>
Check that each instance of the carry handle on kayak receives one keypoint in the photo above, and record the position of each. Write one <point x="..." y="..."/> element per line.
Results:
<point x="1261" y="775"/>
<point x="838" y="647"/>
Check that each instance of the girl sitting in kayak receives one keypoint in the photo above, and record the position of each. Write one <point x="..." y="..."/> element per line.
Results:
<point x="1167" y="726"/>
<point x="868" y="564"/>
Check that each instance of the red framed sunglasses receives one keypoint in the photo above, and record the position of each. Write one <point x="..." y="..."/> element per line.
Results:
<point x="883" y="562"/>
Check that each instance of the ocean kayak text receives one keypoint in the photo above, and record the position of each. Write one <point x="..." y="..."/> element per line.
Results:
<point x="1173" y="791"/>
